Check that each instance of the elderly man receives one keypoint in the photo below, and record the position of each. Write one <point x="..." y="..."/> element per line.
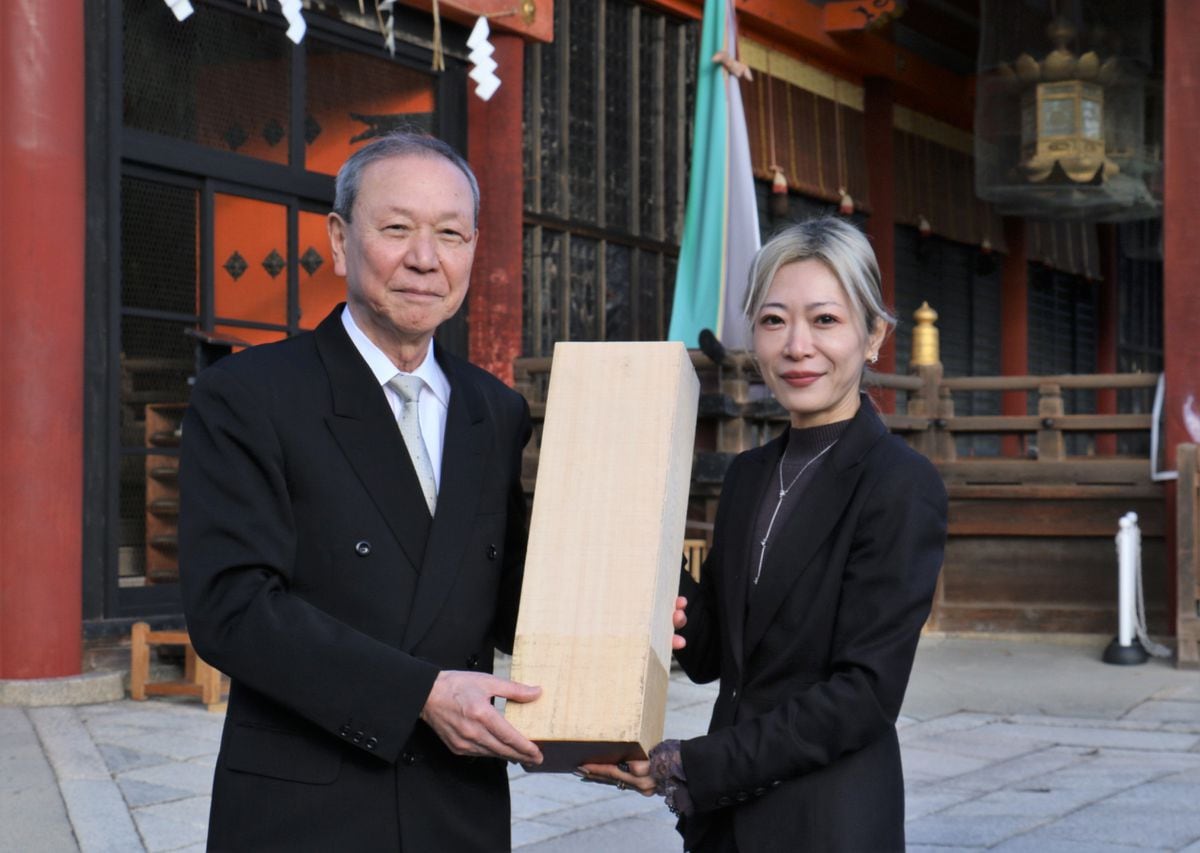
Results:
<point x="352" y="536"/>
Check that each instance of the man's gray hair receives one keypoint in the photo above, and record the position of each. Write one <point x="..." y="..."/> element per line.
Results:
<point x="834" y="242"/>
<point x="397" y="144"/>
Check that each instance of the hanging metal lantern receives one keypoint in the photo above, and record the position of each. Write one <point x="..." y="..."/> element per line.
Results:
<point x="1065" y="135"/>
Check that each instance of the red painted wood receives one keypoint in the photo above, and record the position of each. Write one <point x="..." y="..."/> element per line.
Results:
<point x="881" y="188"/>
<point x="1106" y="331"/>
<point x="41" y="338"/>
<point x="1181" y="249"/>
<point x="857" y="15"/>
<point x="503" y="15"/>
<point x="797" y="28"/>
<point x="495" y="151"/>
<point x="1014" y="324"/>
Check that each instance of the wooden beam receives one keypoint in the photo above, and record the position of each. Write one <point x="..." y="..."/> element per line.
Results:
<point x="605" y="547"/>
<point x="841" y="16"/>
<point x="503" y="15"/>
<point x="798" y="28"/>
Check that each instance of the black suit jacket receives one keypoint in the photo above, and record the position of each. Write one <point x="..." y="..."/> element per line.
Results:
<point x="802" y="751"/>
<point x="314" y="576"/>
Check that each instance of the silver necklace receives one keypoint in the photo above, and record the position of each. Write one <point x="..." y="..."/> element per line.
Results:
<point x="783" y="490"/>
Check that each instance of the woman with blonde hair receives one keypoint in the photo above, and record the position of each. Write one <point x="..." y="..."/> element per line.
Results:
<point x="826" y="549"/>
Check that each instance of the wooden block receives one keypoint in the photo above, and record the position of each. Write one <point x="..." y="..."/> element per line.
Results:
<point x="606" y="536"/>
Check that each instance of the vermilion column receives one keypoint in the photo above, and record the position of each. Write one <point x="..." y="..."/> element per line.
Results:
<point x="1106" y="332"/>
<point x="1014" y="324"/>
<point x="41" y="337"/>
<point x="495" y="150"/>
<point x="881" y="186"/>
<point x="1181" y="249"/>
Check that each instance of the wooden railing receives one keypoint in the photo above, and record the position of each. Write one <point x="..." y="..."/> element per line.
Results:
<point x="1031" y="532"/>
<point x="1187" y="623"/>
<point x="740" y="414"/>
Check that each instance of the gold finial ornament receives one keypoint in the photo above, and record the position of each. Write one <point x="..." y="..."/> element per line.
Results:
<point x="925" y="347"/>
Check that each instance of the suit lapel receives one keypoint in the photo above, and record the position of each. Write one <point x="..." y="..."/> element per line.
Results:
<point x="465" y="446"/>
<point x="365" y="428"/>
<point x="742" y="548"/>
<point x="816" y="514"/>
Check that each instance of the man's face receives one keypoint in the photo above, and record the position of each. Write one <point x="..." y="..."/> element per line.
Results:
<point x="406" y="254"/>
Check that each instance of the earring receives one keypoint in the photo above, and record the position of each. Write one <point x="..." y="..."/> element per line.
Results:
<point x="874" y="357"/>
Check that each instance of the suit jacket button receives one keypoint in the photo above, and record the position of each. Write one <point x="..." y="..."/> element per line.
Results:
<point x="472" y="661"/>
<point x="358" y="736"/>
<point x="758" y="792"/>
<point x="408" y="758"/>
<point x="344" y="731"/>
<point x="371" y="743"/>
<point x="742" y="796"/>
<point x="492" y="552"/>
<point x="733" y="695"/>
<point x="362" y="547"/>
<point x="723" y="801"/>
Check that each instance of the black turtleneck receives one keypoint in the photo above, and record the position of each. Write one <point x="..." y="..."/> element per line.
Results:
<point x="802" y="448"/>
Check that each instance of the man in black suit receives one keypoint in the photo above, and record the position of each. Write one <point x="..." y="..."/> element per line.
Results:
<point x="352" y="536"/>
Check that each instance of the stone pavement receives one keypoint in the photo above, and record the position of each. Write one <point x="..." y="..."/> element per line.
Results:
<point x="1009" y="744"/>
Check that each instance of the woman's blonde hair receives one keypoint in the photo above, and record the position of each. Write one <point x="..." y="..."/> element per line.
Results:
<point x="841" y="247"/>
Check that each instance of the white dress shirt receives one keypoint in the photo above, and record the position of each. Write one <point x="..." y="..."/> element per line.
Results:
<point x="435" y="393"/>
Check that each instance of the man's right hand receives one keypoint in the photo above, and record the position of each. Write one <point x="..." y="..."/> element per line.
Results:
<point x="460" y="710"/>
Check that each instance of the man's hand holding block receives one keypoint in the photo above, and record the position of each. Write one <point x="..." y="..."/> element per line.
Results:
<point x="606" y="536"/>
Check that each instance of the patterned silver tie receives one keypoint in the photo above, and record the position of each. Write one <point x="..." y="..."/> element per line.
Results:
<point x="409" y="389"/>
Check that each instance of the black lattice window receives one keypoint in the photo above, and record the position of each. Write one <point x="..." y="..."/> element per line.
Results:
<point x="1062" y="339"/>
<point x="608" y="109"/>
<point x="1139" y="331"/>
<point x="221" y="79"/>
<point x="966" y="294"/>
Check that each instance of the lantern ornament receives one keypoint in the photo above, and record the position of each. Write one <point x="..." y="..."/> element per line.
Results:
<point x="1060" y="120"/>
<point x="1062" y="114"/>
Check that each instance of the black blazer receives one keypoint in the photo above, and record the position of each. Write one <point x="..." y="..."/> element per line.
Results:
<point x="313" y="575"/>
<point x="802" y="752"/>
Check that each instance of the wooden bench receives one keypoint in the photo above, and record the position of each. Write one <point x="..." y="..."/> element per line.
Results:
<point x="199" y="678"/>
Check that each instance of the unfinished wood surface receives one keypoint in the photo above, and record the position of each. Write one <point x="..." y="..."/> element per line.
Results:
<point x="606" y="537"/>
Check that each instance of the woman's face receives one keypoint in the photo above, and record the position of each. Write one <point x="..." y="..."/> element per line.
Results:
<point x="811" y="344"/>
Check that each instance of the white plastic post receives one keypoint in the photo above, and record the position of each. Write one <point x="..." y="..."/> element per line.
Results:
<point x="1126" y="648"/>
<point x="1129" y="545"/>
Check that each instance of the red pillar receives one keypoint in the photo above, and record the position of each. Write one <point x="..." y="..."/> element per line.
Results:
<point x="1014" y="323"/>
<point x="1181" y="250"/>
<point x="1106" y="328"/>
<point x="495" y="149"/>
<point x="881" y="186"/>
<point x="41" y="337"/>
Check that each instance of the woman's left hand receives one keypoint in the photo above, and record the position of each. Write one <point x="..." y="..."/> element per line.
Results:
<point x="632" y="775"/>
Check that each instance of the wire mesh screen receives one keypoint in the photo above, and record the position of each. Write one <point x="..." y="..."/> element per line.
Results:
<point x="1062" y="339"/>
<point x="220" y="79"/>
<point x="159" y="253"/>
<point x="607" y="133"/>
<point x="1139" y="328"/>
<point x="1063" y="92"/>
<point x="352" y="98"/>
